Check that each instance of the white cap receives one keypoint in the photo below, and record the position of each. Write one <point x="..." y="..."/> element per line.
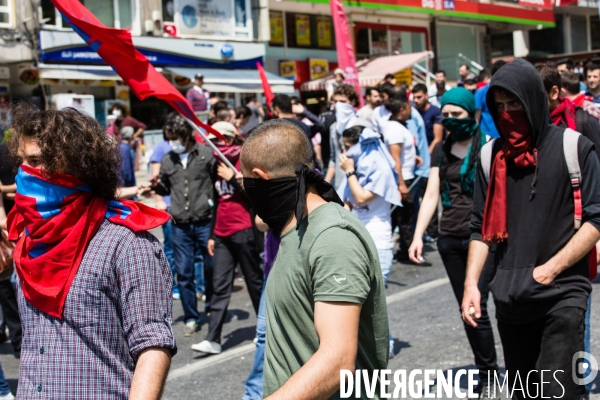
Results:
<point x="339" y="71"/>
<point x="224" y="128"/>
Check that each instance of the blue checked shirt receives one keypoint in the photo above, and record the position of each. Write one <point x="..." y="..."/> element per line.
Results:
<point x="119" y="304"/>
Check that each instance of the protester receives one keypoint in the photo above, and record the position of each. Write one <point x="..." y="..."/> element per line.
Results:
<point x="563" y="112"/>
<point x="224" y="115"/>
<point x="482" y="113"/>
<point x="258" y="114"/>
<point x="198" y="97"/>
<point x="123" y="120"/>
<point x="326" y="308"/>
<point x="566" y="65"/>
<point x="484" y="77"/>
<point x="92" y="284"/>
<point x="437" y="89"/>
<point x="345" y="98"/>
<point x="243" y="115"/>
<point x="389" y="78"/>
<point x="370" y="191"/>
<point x="338" y="78"/>
<point x="127" y="157"/>
<point x="314" y="123"/>
<point x="452" y="178"/>
<point x="282" y="108"/>
<point x="527" y="207"/>
<point x="432" y="116"/>
<point x="219" y="106"/>
<point x="593" y="83"/>
<point x="464" y="74"/>
<point x="470" y="85"/>
<point x="372" y="101"/>
<point x="232" y="239"/>
<point x="570" y="90"/>
<point x="187" y="174"/>
<point x="381" y="112"/>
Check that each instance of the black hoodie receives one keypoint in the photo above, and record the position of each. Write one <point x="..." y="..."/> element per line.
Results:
<point x="537" y="228"/>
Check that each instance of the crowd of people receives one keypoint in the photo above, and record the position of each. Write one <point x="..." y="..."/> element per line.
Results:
<point x="313" y="214"/>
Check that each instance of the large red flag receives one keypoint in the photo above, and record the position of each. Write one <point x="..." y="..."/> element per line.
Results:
<point x="345" y="52"/>
<point x="265" y="84"/>
<point x="115" y="46"/>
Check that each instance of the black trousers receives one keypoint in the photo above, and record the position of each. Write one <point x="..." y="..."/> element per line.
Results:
<point x="454" y="256"/>
<point x="10" y="309"/>
<point x="548" y="344"/>
<point x="229" y="251"/>
<point x="403" y="218"/>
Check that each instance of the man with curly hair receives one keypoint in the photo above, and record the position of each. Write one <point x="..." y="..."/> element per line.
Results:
<point x="94" y="288"/>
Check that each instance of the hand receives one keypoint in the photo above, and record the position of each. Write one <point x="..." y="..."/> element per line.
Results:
<point x="346" y="163"/>
<point x="471" y="305"/>
<point x="161" y="205"/>
<point x="544" y="274"/>
<point x="154" y="181"/>
<point x="416" y="250"/>
<point x="145" y="190"/>
<point x="418" y="161"/>
<point x="211" y="247"/>
<point x="403" y="191"/>
<point x="240" y="179"/>
<point x="224" y="171"/>
<point x="297" y="108"/>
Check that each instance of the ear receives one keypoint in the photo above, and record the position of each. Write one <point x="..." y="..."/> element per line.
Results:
<point x="554" y="93"/>
<point x="261" y="174"/>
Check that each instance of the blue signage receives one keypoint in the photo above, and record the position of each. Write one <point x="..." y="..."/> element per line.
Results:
<point x="227" y="50"/>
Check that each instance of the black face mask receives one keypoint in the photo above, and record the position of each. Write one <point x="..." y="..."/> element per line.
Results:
<point x="275" y="200"/>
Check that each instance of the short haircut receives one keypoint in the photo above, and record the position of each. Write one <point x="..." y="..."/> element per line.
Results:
<point x="348" y="91"/>
<point x="243" y="111"/>
<point x="223" y="115"/>
<point x="440" y="71"/>
<point x="470" y="82"/>
<point x="369" y="91"/>
<point x="177" y="125"/>
<point x="388" y="89"/>
<point x="220" y="105"/>
<point x="388" y="76"/>
<point x="353" y="133"/>
<point x="277" y="146"/>
<point x="592" y="67"/>
<point x="283" y="102"/>
<point x="550" y="76"/>
<point x="497" y="65"/>
<point x="396" y="105"/>
<point x="419" y="88"/>
<point x="121" y="107"/>
<point x="485" y="73"/>
<point x="466" y="66"/>
<point x="70" y="142"/>
<point x="250" y="99"/>
<point x="295" y="100"/>
<point x="570" y="82"/>
<point x="567" y="61"/>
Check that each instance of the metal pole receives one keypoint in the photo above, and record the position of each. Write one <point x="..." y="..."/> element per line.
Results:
<point x="212" y="145"/>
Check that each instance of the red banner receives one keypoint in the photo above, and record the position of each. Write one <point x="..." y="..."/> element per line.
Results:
<point x="345" y="52"/>
<point x="265" y="84"/>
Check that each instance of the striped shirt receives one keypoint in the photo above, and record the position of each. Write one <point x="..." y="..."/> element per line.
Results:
<point x="198" y="98"/>
<point x="118" y="305"/>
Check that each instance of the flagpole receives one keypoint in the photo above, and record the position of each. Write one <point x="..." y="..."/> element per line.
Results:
<point x="212" y="145"/>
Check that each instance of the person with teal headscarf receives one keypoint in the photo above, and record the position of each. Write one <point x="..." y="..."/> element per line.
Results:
<point x="452" y="177"/>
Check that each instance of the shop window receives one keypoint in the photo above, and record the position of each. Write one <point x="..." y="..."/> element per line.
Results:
<point x="547" y="41"/>
<point x="213" y="18"/>
<point x="501" y="45"/>
<point x="112" y="13"/>
<point x="168" y="10"/>
<point x="5" y="13"/>
<point x="362" y="42"/>
<point x="379" y="42"/>
<point x="307" y="31"/>
<point x="579" y="33"/>
<point x="595" y="32"/>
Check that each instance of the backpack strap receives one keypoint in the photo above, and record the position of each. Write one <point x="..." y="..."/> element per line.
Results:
<point x="570" y="140"/>
<point x="485" y="156"/>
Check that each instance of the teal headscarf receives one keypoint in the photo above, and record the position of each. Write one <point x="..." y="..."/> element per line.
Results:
<point x="460" y="130"/>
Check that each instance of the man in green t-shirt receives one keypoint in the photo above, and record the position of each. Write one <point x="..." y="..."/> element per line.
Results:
<point x="326" y="307"/>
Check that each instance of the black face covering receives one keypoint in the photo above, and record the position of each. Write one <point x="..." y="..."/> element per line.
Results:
<point x="274" y="200"/>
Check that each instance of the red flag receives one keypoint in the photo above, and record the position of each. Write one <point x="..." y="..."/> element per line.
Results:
<point x="345" y="52"/>
<point x="115" y="46"/>
<point x="265" y="84"/>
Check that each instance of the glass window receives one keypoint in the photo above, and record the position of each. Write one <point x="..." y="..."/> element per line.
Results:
<point x="103" y="10"/>
<point x="379" y="42"/>
<point x="48" y="12"/>
<point x="168" y="10"/>
<point x="362" y="42"/>
<point x="5" y="12"/>
<point x="453" y="40"/>
<point x="240" y="13"/>
<point x="595" y="31"/>
<point x="304" y="30"/>
<point x="579" y="33"/>
<point x="125" y="17"/>
<point x="547" y="41"/>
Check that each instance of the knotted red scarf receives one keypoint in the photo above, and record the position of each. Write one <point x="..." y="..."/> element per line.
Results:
<point x="54" y="219"/>
<point x="565" y="112"/>
<point x="516" y="132"/>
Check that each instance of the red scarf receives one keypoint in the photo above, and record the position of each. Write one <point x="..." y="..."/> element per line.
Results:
<point x="565" y="112"/>
<point x="230" y="151"/>
<point x="53" y="221"/>
<point x="516" y="132"/>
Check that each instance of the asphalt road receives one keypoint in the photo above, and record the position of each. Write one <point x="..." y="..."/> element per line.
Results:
<point x="424" y="320"/>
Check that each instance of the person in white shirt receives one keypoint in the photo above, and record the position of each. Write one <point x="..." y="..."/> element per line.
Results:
<point x="437" y="90"/>
<point x="338" y="78"/>
<point x="372" y="100"/>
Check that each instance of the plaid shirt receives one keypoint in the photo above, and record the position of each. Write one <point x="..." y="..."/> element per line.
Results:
<point x="119" y="304"/>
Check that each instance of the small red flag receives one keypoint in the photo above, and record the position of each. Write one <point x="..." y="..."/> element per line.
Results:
<point x="265" y="84"/>
<point x="115" y="46"/>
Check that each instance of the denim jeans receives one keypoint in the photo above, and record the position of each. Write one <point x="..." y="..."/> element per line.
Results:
<point x="254" y="383"/>
<point x="167" y="229"/>
<point x="386" y="258"/>
<point x="4" y="389"/>
<point x="199" y="271"/>
<point x="185" y="238"/>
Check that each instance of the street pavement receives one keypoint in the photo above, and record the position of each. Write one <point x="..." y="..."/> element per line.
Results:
<point x="424" y="321"/>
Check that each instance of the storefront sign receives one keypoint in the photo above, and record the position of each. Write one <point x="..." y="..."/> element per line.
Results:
<point x="28" y="74"/>
<point x="318" y="68"/>
<point x="324" y="32"/>
<point x="276" y="21"/>
<point x="404" y="76"/>
<point x="545" y="4"/>
<point x="205" y="17"/>
<point x="302" y="30"/>
<point x="287" y="69"/>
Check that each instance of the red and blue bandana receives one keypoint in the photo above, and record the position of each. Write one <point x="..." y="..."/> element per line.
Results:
<point x="54" y="219"/>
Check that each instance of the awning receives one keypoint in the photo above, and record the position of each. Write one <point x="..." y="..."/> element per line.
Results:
<point x="235" y="80"/>
<point x="78" y="72"/>
<point x="371" y="72"/>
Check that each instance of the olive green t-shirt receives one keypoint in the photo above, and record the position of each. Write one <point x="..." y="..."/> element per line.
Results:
<point x="331" y="257"/>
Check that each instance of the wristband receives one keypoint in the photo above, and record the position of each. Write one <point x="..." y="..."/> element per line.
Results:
<point x="349" y="174"/>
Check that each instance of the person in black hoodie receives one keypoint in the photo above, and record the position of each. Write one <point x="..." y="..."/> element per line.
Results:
<point x="541" y="284"/>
